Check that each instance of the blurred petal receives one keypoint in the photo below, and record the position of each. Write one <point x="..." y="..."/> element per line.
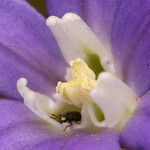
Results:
<point x="60" y="7"/>
<point x="130" y="40"/>
<point x="27" y="49"/>
<point x="105" y="140"/>
<point x="54" y="144"/>
<point x="136" y="135"/>
<point x="99" y="15"/>
<point x="12" y="67"/>
<point x="21" y="129"/>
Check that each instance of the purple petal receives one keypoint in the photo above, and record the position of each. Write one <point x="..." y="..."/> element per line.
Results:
<point x="106" y="140"/>
<point x="130" y="39"/>
<point x="27" y="48"/>
<point x="61" y="7"/>
<point x="53" y="144"/>
<point x="21" y="129"/>
<point x="99" y="15"/>
<point x="136" y="135"/>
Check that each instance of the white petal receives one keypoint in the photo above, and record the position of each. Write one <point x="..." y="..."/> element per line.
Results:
<point x="70" y="48"/>
<point x="115" y="99"/>
<point x="89" y="120"/>
<point x="91" y="113"/>
<point x="85" y="121"/>
<point x="75" y="38"/>
<point x="43" y="106"/>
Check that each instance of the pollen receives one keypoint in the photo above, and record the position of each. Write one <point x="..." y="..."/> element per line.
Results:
<point x="76" y="90"/>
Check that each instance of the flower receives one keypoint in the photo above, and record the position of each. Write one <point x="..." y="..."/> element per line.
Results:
<point x="28" y="41"/>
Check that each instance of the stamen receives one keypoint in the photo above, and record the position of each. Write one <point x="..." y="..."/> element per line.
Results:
<point x="76" y="91"/>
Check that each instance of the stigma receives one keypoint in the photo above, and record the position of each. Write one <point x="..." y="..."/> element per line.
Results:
<point x="76" y="90"/>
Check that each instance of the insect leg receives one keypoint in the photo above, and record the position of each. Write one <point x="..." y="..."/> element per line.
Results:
<point x="70" y="124"/>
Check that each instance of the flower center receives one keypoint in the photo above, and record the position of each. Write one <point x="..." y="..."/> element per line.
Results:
<point x="91" y="97"/>
<point x="76" y="91"/>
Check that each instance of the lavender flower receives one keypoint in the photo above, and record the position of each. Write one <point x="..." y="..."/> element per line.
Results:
<point x="118" y="35"/>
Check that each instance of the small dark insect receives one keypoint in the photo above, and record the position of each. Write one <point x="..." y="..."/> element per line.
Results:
<point x="72" y="116"/>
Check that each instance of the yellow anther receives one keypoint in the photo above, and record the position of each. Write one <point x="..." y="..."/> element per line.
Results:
<point x="76" y="91"/>
<point x="80" y="70"/>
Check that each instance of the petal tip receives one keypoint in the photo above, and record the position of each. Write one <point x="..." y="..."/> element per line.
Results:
<point x="21" y="83"/>
<point x="52" y="20"/>
<point x="71" y="16"/>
